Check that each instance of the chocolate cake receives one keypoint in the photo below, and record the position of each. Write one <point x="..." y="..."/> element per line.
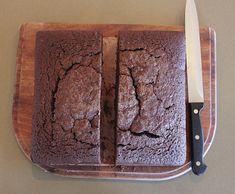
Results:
<point x="66" y="119"/>
<point x="151" y="117"/>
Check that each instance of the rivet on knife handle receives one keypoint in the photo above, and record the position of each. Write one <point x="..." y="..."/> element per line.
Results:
<point x="198" y="165"/>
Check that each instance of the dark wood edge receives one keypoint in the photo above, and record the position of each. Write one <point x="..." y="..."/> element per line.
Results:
<point x="213" y="126"/>
<point x="19" y="61"/>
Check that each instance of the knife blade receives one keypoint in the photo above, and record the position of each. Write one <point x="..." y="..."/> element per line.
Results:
<point x="195" y="85"/>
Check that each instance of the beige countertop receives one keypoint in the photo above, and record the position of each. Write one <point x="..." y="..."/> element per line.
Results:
<point x="18" y="175"/>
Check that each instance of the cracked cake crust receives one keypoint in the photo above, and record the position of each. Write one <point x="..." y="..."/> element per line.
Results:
<point x="151" y="117"/>
<point x="66" y="120"/>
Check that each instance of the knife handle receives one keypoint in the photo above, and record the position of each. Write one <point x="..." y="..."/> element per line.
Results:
<point x="198" y="166"/>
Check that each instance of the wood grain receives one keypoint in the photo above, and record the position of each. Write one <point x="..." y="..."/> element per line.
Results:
<point x="24" y="92"/>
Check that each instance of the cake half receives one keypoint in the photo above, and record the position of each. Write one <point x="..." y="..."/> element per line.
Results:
<point x="151" y="108"/>
<point x="66" y="119"/>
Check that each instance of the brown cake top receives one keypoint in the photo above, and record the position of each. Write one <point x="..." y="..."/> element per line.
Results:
<point x="67" y="97"/>
<point x="151" y="101"/>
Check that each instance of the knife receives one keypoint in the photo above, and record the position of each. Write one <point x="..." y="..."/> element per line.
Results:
<point x="195" y="85"/>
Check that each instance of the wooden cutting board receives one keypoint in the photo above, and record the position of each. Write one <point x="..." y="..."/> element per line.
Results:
<point x="24" y="93"/>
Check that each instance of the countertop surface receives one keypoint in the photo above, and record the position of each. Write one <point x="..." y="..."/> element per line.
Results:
<point x="18" y="175"/>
